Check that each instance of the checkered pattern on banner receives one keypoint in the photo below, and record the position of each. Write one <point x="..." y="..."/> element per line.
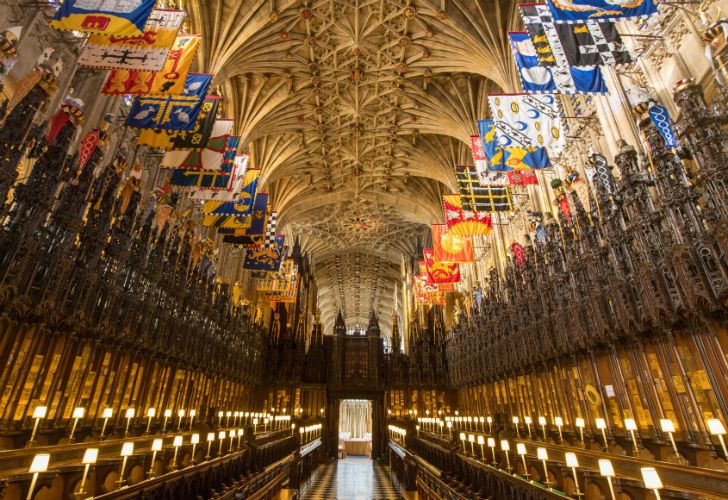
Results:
<point x="270" y="230"/>
<point x="481" y="198"/>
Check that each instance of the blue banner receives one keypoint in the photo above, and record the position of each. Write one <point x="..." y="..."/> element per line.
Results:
<point x="177" y="112"/>
<point x="536" y="79"/>
<point x="660" y="117"/>
<point x="565" y="11"/>
<point x="503" y="159"/>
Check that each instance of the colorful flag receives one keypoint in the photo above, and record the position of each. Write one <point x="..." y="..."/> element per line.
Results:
<point x="242" y="219"/>
<point x="170" y="80"/>
<point x="602" y="10"/>
<point x="440" y="272"/>
<point x="143" y="52"/>
<point x="208" y="158"/>
<point x="87" y="147"/>
<point x="449" y="247"/>
<point x="478" y="198"/>
<point x="464" y="222"/>
<point x="536" y="79"/>
<point x="523" y="120"/>
<point x="242" y="204"/>
<point x="236" y="184"/>
<point x="522" y="177"/>
<point x="105" y="17"/>
<point x="581" y="44"/>
<point x="479" y="159"/>
<point x="173" y="112"/>
<point x="265" y="259"/>
<point x="510" y="158"/>
<point x="198" y="136"/>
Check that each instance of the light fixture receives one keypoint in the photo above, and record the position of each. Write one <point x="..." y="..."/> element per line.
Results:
<point x="240" y="436"/>
<point x="528" y="421"/>
<point x="130" y="412"/>
<point x="39" y="464"/>
<point x="652" y="480"/>
<point x="106" y="414"/>
<point x="89" y="458"/>
<point x="193" y="414"/>
<point x="490" y="424"/>
<point x="38" y="413"/>
<point x="194" y="439"/>
<point x="210" y="439"/>
<point x="716" y="428"/>
<point x="219" y="417"/>
<point x="232" y="435"/>
<point x="167" y="415"/>
<point x="491" y="445"/>
<point x="505" y="447"/>
<point x="631" y="426"/>
<point x="602" y="426"/>
<point x="462" y="440"/>
<point x="127" y="450"/>
<point x="471" y="440"/>
<point x="176" y="442"/>
<point x="606" y="470"/>
<point x="515" y="422"/>
<point x="221" y="437"/>
<point x="77" y="414"/>
<point x="573" y="463"/>
<point x="543" y="455"/>
<point x="559" y="423"/>
<point x="521" y="450"/>
<point x="156" y="446"/>
<point x="255" y="424"/>
<point x="580" y="423"/>
<point x="151" y="412"/>
<point x="542" y="423"/>
<point x="667" y="425"/>
<point x="180" y="416"/>
<point x="481" y="442"/>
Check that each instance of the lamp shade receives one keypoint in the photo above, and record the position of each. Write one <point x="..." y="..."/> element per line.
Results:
<point x="516" y="420"/>
<point x="221" y="435"/>
<point x="127" y="449"/>
<point x="195" y="438"/>
<point x="605" y="468"/>
<point x="630" y="424"/>
<point x="40" y="412"/>
<point x="151" y="412"/>
<point x="471" y="438"/>
<point x="651" y="478"/>
<point x="90" y="456"/>
<point x="181" y="413"/>
<point x="177" y="441"/>
<point x="462" y="436"/>
<point x="542" y="454"/>
<point x="667" y="425"/>
<point x="108" y="413"/>
<point x="481" y="440"/>
<point x="167" y="413"/>
<point x="528" y="420"/>
<point x="541" y="420"/>
<point x="491" y="442"/>
<point x="579" y="422"/>
<point x="571" y="460"/>
<point x="210" y="436"/>
<point x="78" y="412"/>
<point x="130" y="412"/>
<point x="40" y="463"/>
<point x="520" y="448"/>
<point x="600" y="423"/>
<point x="157" y="445"/>
<point x="505" y="446"/>
<point x="715" y="427"/>
<point x="558" y="421"/>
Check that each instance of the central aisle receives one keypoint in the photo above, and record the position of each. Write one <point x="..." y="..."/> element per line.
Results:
<point x="351" y="478"/>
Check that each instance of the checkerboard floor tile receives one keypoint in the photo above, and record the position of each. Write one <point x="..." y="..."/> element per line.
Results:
<point x="351" y="478"/>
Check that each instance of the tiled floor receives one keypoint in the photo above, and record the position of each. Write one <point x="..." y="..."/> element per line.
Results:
<point x="351" y="478"/>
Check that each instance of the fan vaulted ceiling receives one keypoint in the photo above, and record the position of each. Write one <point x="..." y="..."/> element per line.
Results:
<point x="356" y="111"/>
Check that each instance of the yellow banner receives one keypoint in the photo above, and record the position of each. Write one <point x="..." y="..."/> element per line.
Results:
<point x="169" y="81"/>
